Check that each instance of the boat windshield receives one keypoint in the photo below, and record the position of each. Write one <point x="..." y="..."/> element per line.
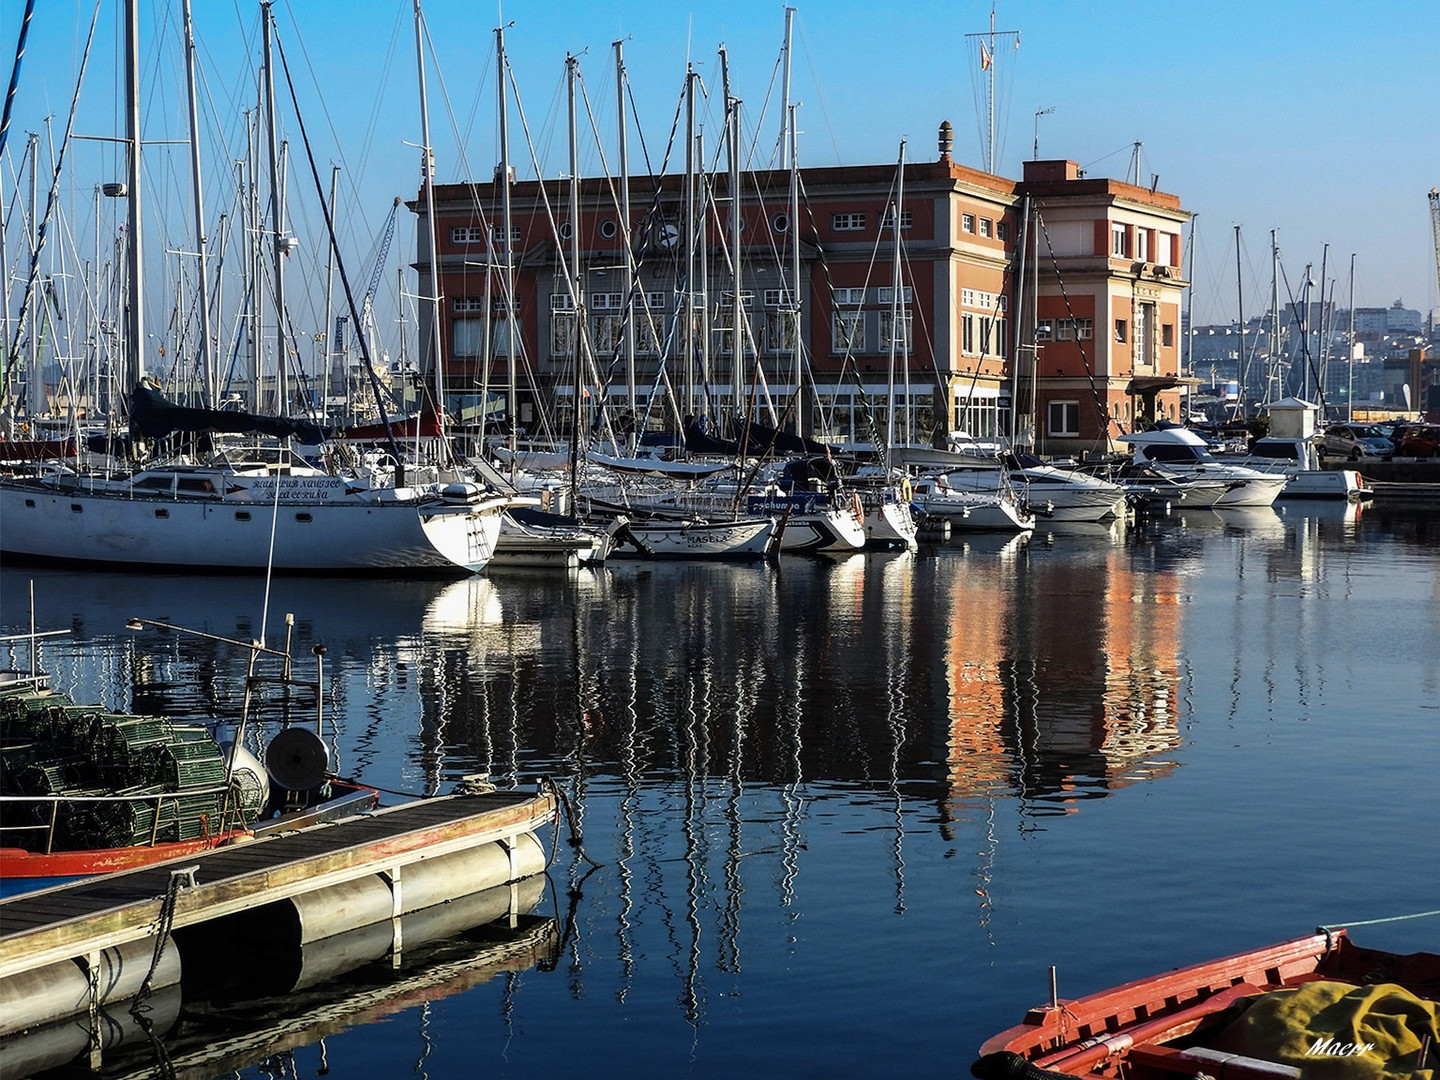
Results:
<point x="1176" y="453"/>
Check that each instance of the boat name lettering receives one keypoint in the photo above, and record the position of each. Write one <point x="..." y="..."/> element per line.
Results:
<point x="1331" y="1048"/>
<point x="299" y="487"/>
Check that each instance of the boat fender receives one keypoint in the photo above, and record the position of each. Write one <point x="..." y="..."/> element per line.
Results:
<point x="906" y="492"/>
<point x="1007" y="1065"/>
<point x="857" y="508"/>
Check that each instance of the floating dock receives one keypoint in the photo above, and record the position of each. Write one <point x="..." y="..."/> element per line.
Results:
<point x="70" y="949"/>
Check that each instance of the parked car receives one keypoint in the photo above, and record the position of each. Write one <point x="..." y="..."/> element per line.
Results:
<point x="1355" y="441"/>
<point x="1394" y="429"/>
<point x="1420" y="441"/>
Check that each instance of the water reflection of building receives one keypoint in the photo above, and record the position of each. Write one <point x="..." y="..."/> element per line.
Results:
<point x="1061" y="680"/>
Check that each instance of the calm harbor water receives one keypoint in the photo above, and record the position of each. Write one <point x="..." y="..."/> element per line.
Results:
<point x="839" y="816"/>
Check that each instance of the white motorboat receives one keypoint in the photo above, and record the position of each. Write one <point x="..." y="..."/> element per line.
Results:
<point x="970" y="510"/>
<point x="1180" y="455"/>
<point x="1299" y="462"/>
<point x="1045" y="490"/>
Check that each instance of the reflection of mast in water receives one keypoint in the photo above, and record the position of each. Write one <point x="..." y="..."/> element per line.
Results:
<point x="897" y="667"/>
<point x="630" y="802"/>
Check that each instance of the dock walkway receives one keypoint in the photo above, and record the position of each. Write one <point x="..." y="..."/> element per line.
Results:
<point x="79" y="920"/>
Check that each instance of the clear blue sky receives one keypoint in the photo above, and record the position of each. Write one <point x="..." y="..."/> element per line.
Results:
<point x="1315" y="118"/>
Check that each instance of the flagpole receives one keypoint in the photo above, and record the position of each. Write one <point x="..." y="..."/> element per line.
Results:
<point x="987" y="65"/>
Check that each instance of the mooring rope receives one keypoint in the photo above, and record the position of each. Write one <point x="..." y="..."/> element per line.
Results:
<point x="575" y="840"/>
<point x="1327" y="927"/>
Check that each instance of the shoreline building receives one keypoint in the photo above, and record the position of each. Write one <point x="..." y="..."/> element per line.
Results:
<point x="834" y="323"/>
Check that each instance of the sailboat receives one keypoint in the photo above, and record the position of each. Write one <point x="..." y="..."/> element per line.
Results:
<point x="239" y="507"/>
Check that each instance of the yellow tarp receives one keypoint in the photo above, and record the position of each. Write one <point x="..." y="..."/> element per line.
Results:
<point x="1336" y="1031"/>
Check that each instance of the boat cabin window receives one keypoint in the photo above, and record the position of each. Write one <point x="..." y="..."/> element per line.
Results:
<point x="242" y="515"/>
<point x="303" y="517"/>
<point x="162" y="513"/>
<point x="1179" y="453"/>
<point x="76" y="508"/>
<point x="1287" y="451"/>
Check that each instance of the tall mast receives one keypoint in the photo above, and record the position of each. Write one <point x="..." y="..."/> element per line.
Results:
<point x="800" y="414"/>
<point x="738" y="320"/>
<point x="1239" y="314"/>
<point x="277" y="217"/>
<point x="329" y="337"/>
<point x="895" y="306"/>
<point x="507" y="270"/>
<point x="628" y="269"/>
<point x="1274" y="372"/>
<point x="787" y="118"/>
<point x="433" y="356"/>
<point x="207" y="364"/>
<point x="577" y="285"/>
<point x="1350" y="349"/>
<point x="690" y="230"/>
<point x="134" y="316"/>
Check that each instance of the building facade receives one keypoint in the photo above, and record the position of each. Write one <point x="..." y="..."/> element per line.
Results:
<point x="838" y="329"/>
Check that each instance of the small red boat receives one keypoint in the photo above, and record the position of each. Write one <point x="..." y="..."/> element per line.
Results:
<point x="1316" y="1006"/>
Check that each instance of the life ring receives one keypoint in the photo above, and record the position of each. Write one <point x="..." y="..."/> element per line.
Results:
<point x="857" y="508"/>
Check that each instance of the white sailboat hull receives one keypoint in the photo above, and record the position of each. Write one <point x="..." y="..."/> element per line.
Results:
<point x="160" y="532"/>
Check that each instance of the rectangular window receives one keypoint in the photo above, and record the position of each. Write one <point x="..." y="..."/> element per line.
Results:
<point x="1044" y="331"/>
<point x="986" y="226"/>
<point x="780" y="332"/>
<point x="1002" y="230"/>
<point x="847" y="222"/>
<point x="562" y="333"/>
<point x="466" y="336"/>
<point x="467" y="234"/>
<point x="850" y="296"/>
<point x="1117" y="242"/>
<point x="605" y="334"/>
<point x="463" y="304"/>
<point x="967" y="222"/>
<point x="1064" y="329"/>
<point x="1122" y="331"/>
<point x="887" y="329"/>
<point x="561" y="301"/>
<point x="777" y="297"/>
<point x="647" y="335"/>
<point x="887" y="295"/>
<point x="498" y="235"/>
<point x="607" y="301"/>
<point x="1063" y="418"/>
<point x="656" y="301"/>
<point x="967" y="334"/>
<point x="1142" y="245"/>
<point x="1167" y="335"/>
<point x="847" y="330"/>
<point x="997" y="339"/>
<point x="885" y="216"/>
<point x="1084" y="329"/>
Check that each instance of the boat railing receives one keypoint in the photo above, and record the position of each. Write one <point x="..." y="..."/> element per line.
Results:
<point x="231" y="815"/>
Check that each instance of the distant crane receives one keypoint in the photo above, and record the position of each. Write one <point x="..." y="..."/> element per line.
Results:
<point x="1435" y="228"/>
<point x="367" y="304"/>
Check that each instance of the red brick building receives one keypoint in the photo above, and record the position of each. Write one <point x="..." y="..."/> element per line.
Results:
<point x="969" y="355"/>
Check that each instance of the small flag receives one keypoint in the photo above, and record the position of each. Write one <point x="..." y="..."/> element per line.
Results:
<point x="984" y="57"/>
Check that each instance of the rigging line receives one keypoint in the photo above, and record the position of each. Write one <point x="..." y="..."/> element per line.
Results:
<point x="848" y="361"/>
<point x="340" y="267"/>
<point x="1301" y="325"/>
<point x="50" y="201"/>
<point x="1070" y="310"/>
